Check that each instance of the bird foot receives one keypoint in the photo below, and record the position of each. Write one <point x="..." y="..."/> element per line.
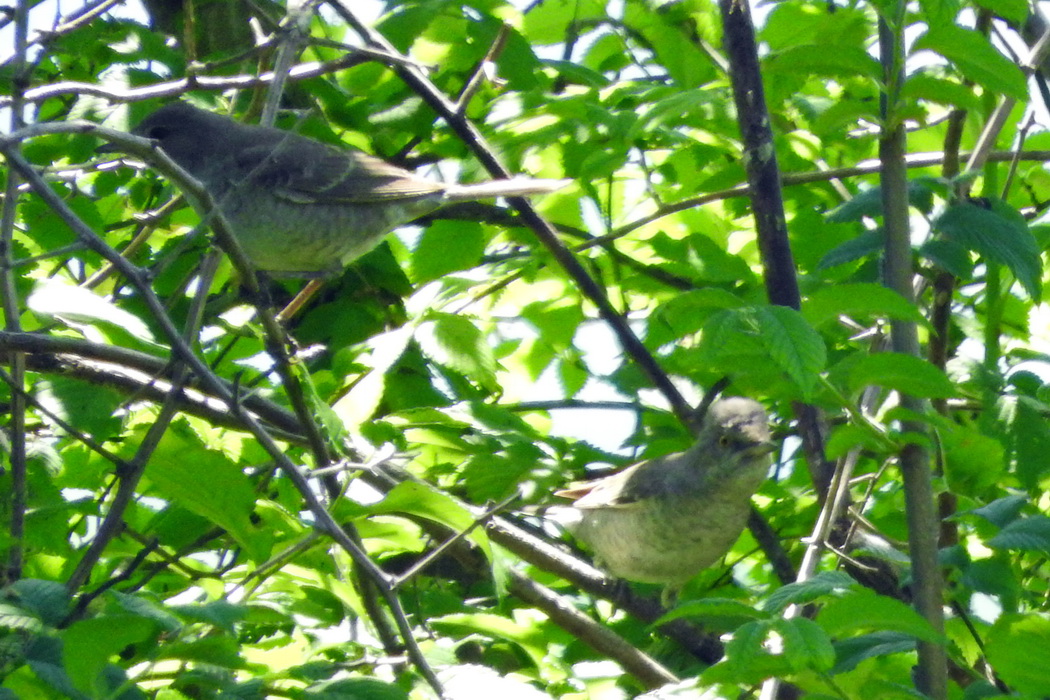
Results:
<point x="669" y="596"/>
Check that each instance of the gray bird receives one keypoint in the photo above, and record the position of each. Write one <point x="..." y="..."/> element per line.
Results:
<point x="663" y="520"/>
<point x="298" y="207"/>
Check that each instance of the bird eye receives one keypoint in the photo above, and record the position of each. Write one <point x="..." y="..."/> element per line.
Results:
<point x="723" y="441"/>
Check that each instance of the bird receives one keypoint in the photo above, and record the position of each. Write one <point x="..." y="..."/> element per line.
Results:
<point x="300" y="208"/>
<point x="666" y="519"/>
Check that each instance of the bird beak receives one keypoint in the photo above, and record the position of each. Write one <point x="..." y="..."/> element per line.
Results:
<point x="761" y="449"/>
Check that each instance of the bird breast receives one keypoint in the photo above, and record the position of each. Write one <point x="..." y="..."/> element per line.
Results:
<point x="313" y="239"/>
<point x="668" y="544"/>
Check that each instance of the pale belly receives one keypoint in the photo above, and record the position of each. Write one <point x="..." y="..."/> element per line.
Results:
<point x="670" y="549"/>
<point x="310" y="240"/>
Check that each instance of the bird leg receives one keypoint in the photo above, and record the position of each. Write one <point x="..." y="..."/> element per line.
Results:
<point x="296" y="304"/>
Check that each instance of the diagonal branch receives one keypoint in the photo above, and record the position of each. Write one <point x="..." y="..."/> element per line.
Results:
<point x="476" y="142"/>
<point x="132" y="472"/>
<point x="183" y="352"/>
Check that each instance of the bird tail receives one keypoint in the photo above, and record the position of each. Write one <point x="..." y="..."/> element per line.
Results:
<point x="562" y="517"/>
<point x="514" y="187"/>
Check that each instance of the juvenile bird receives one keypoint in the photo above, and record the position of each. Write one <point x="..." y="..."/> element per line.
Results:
<point x="663" y="520"/>
<point x="298" y="207"/>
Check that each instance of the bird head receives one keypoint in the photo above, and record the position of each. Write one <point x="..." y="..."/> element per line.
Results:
<point x="738" y="429"/>
<point x="193" y="138"/>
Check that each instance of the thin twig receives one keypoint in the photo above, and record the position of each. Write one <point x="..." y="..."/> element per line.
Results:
<point x="298" y="13"/>
<point x="174" y="88"/>
<point x="481" y="70"/>
<point x="425" y="561"/>
<point x="476" y="142"/>
<point x="145" y="229"/>
<point x="113" y="521"/>
<point x="118" y="462"/>
<point x="292" y="29"/>
<point x="1022" y="135"/>
<point x="17" y="508"/>
<point x="995" y="122"/>
<point x="179" y="345"/>
<point x="131" y="371"/>
<point x="125" y="572"/>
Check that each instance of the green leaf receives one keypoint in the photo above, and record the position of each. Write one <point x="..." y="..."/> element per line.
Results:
<point x="848" y="436"/>
<point x="806" y="644"/>
<point x="549" y="21"/>
<point x="90" y="408"/>
<point x="1014" y="11"/>
<point x="219" y="651"/>
<point x="708" y="608"/>
<point x="1030" y="435"/>
<point x="869" y="243"/>
<point x="418" y="498"/>
<point x="746" y="661"/>
<point x="923" y="86"/>
<point x="949" y="256"/>
<point x="16" y="618"/>
<point x="457" y="342"/>
<point x="573" y="374"/>
<point x="821" y="59"/>
<point x="446" y="247"/>
<point x="84" y="310"/>
<point x="490" y="477"/>
<point x="364" y="397"/>
<point x="471" y="680"/>
<point x="904" y="373"/>
<point x="528" y="638"/>
<point x="709" y="260"/>
<point x="864" y="300"/>
<point x="1000" y="235"/>
<point x="556" y="321"/>
<point x="48" y="600"/>
<point x="994" y="576"/>
<point x="868" y="202"/>
<point x="746" y="646"/>
<point x="218" y="613"/>
<point x="44" y="656"/>
<point x="677" y="105"/>
<point x="684" y="314"/>
<point x="1030" y="534"/>
<point x="1003" y="510"/>
<point x="87" y="646"/>
<point x="862" y="610"/>
<point x="687" y="63"/>
<point x="822" y="584"/>
<point x="975" y="57"/>
<point x="974" y="461"/>
<point x="1018" y="648"/>
<point x="577" y="73"/>
<point x="792" y="344"/>
<point x="796" y="25"/>
<point x="851" y="651"/>
<point x="138" y="605"/>
<point x="330" y="422"/>
<point x="205" y="482"/>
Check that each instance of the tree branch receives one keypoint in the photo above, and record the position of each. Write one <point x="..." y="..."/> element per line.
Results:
<point x="931" y="677"/>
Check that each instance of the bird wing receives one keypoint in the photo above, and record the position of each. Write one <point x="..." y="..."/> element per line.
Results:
<point x="621" y="490"/>
<point x="306" y="172"/>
